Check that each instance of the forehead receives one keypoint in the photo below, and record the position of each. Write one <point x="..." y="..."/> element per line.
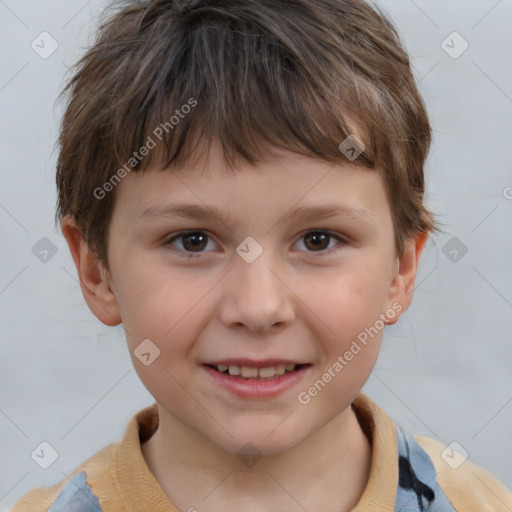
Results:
<point x="283" y="184"/>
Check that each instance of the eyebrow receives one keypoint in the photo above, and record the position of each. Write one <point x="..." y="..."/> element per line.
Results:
<point x="199" y="212"/>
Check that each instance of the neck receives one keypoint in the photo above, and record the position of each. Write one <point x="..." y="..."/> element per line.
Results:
<point x="193" y="472"/>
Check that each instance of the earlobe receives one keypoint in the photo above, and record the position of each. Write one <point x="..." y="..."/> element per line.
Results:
<point x="404" y="275"/>
<point x="94" y="278"/>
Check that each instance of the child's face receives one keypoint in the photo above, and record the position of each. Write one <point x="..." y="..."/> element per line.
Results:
<point x="303" y="299"/>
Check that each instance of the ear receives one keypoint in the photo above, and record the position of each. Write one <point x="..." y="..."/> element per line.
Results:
<point x="404" y="276"/>
<point x="95" y="280"/>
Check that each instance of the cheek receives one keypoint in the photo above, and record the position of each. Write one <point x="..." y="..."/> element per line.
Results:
<point x="155" y="299"/>
<point x="163" y="307"/>
<point x="348" y="306"/>
<point x="171" y="309"/>
<point x="347" y="301"/>
<point x="349" y="329"/>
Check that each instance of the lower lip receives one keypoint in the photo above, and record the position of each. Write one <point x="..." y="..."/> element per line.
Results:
<point x="253" y="388"/>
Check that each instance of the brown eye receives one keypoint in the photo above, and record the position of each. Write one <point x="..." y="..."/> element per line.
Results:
<point x="191" y="242"/>
<point x="318" y="240"/>
<point x="194" y="241"/>
<point x="321" y="242"/>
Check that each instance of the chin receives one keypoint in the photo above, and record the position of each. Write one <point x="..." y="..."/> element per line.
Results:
<point x="257" y="441"/>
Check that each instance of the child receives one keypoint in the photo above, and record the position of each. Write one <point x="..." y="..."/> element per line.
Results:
<point x="252" y="128"/>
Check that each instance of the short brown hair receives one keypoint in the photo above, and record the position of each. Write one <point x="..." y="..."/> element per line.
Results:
<point x="288" y="73"/>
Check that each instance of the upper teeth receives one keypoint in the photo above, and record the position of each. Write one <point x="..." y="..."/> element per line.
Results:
<point x="251" y="371"/>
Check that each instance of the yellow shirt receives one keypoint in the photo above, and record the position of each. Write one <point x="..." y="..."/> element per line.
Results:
<point x="407" y="474"/>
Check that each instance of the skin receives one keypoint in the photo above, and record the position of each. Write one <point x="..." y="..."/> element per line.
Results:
<point x="296" y="301"/>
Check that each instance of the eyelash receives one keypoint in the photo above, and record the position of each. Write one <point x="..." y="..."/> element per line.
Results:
<point x="185" y="254"/>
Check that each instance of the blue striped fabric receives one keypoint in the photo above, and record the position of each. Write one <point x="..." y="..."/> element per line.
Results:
<point x="77" y="496"/>
<point x="418" y="490"/>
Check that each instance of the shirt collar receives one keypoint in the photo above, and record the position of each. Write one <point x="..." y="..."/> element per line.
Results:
<point x="140" y="489"/>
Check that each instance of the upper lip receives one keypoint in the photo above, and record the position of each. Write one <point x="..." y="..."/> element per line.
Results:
<point x="265" y="363"/>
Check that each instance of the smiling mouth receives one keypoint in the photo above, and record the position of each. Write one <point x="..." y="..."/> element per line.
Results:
<point x="252" y="373"/>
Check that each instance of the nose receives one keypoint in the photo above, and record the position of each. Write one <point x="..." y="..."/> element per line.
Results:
<point x="256" y="296"/>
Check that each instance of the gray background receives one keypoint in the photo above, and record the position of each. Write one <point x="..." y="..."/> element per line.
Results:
<point x="444" y="370"/>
